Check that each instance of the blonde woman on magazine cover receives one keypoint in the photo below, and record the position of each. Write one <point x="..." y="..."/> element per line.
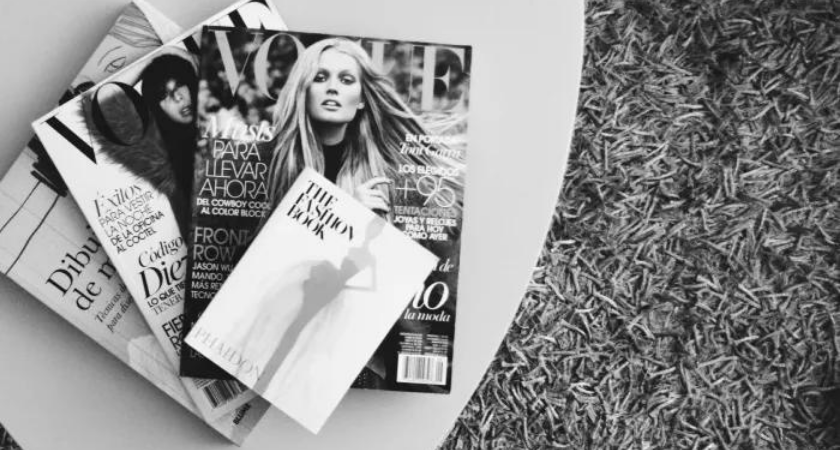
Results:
<point x="339" y="115"/>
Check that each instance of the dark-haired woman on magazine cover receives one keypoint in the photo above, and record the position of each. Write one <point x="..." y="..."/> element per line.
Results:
<point x="164" y="155"/>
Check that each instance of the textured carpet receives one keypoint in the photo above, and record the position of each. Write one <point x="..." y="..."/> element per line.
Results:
<point x="687" y="295"/>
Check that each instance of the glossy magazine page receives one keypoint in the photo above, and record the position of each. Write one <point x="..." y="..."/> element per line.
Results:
<point x="47" y="247"/>
<point x="123" y="149"/>
<point x="402" y="153"/>
<point x="311" y="299"/>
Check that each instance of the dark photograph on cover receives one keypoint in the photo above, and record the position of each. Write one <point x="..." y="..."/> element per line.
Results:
<point x="160" y="146"/>
<point x="384" y="120"/>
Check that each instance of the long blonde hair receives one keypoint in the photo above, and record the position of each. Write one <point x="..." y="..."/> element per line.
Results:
<point x="372" y="138"/>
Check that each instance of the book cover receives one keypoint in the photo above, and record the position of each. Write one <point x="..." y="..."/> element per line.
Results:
<point x="311" y="299"/>
<point x="123" y="148"/>
<point x="42" y="230"/>
<point x="400" y="149"/>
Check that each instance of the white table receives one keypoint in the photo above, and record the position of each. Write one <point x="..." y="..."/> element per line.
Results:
<point x="55" y="384"/>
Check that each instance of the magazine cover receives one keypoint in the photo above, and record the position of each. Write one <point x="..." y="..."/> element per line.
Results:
<point x="124" y="149"/>
<point x="389" y="127"/>
<point x="45" y="242"/>
<point x="310" y="301"/>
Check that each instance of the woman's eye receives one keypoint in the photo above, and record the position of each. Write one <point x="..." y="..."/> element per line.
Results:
<point x="348" y="80"/>
<point x="115" y="65"/>
<point x="320" y="77"/>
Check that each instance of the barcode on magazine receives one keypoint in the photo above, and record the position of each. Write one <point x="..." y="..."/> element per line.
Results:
<point x="219" y="392"/>
<point x="421" y="369"/>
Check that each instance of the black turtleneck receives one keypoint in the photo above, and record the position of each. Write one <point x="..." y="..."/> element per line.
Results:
<point x="333" y="158"/>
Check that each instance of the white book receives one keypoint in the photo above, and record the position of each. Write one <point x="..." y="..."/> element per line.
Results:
<point x="118" y="148"/>
<point x="311" y="299"/>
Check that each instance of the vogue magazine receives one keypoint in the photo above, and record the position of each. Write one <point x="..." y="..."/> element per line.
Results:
<point x="44" y="237"/>
<point x="384" y="120"/>
<point x="124" y="150"/>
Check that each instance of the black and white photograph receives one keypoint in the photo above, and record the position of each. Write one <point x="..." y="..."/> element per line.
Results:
<point x="269" y="227"/>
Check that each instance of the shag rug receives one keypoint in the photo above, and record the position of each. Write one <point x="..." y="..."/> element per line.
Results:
<point x="688" y="293"/>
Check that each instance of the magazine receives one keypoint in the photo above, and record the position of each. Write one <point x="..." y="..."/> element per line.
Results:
<point x="403" y="156"/>
<point x="310" y="301"/>
<point x="42" y="230"/>
<point x="124" y="150"/>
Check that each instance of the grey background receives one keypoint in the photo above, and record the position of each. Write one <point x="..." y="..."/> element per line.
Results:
<point x="59" y="388"/>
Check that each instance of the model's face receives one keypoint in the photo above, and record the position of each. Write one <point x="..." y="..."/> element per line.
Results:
<point x="336" y="91"/>
<point x="177" y="104"/>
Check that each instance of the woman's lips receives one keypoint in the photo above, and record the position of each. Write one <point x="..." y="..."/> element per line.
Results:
<point x="331" y="104"/>
<point x="186" y="111"/>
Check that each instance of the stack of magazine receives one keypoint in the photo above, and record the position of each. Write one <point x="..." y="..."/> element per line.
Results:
<point x="249" y="216"/>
